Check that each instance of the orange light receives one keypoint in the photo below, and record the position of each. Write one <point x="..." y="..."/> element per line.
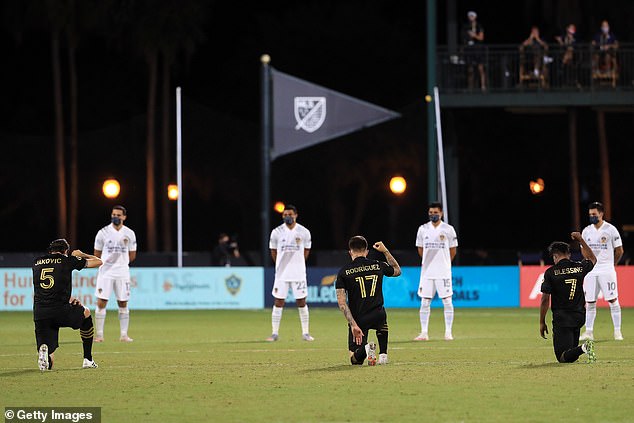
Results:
<point x="172" y="192"/>
<point x="398" y="185"/>
<point x="279" y="207"/>
<point x="537" y="187"/>
<point x="111" y="188"/>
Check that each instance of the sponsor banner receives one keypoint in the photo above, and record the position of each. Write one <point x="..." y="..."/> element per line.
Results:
<point x="490" y="286"/>
<point x="531" y="278"/>
<point x="162" y="288"/>
<point x="493" y="286"/>
<point x="321" y="287"/>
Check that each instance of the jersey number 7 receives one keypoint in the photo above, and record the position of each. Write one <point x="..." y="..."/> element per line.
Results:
<point x="573" y="287"/>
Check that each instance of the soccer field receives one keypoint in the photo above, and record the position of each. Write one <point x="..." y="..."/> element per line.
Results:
<point x="214" y="366"/>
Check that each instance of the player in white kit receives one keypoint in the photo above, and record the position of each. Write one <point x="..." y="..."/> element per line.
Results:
<point x="605" y="241"/>
<point x="290" y="245"/>
<point x="115" y="244"/>
<point x="437" y="243"/>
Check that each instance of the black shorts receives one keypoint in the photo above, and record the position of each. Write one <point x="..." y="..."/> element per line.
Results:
<point x="376" y="319"/>
<point x="47" y="330"/>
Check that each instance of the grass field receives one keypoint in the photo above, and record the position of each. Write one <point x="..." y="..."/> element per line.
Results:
<point x="214" y="366"/>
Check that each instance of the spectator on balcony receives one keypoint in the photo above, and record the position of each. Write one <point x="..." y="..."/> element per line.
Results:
<point x="604" y="45"/>
<point x="568" y="41"/>
<point x="473" y="40"/>
<point x="534" y="55"/>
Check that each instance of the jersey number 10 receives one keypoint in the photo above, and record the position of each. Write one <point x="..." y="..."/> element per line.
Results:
<point x="373" y="278"/>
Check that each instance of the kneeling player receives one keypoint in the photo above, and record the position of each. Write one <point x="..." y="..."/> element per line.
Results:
<point x="360" y="296"/>
<point x="53" y="307"/>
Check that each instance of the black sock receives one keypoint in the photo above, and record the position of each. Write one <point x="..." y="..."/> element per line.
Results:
<point x="87" y="332"/>
<point x="359" y="355"/>
<point x="571" y="355"/>
<point x="381" y="336"/>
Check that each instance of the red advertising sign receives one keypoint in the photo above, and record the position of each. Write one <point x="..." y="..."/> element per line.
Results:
<point x="531" y="278"/>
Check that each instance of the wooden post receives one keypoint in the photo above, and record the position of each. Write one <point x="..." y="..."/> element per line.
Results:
<point x="605" y="164"/>
<point x="574" y="174"/>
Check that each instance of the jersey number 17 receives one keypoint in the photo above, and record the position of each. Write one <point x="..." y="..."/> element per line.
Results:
<point x="372" y="278"/>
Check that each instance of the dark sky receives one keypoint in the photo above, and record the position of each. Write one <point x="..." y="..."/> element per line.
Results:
<point x="372" y="50"/>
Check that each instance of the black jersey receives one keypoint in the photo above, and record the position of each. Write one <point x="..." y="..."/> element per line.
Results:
<point x="564" y="283"/>
<point x="363" y="281"/>
<point x="52" y="283"/>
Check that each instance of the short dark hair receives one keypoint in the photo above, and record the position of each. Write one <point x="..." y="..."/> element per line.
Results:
<point x="120" y="207"/>
<point x="58" y="246"/>
<point x="596" y="205"/>
<point x="358" y="243"/>
<point x="222" y="235"/>
<point x="558" y="247"/>
<point x="290" y="207"/>
<point x="435" y="205"/>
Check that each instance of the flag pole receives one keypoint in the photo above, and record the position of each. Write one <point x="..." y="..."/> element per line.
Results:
<point x="441" y="157"/>
<point x="179" y="179"/>
<point x="266" y="125"/>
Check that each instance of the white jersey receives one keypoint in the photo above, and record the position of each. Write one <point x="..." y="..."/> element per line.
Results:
<point x="290" y="244"/>
<point x="436" y="242"/>
<point x="115" y="246"/>
<point x="602" y="242"/>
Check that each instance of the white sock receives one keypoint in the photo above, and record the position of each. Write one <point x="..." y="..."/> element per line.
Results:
<point x="615" y="310"/>
<point x="276" y="318"/>
<point x="591" y="314"/>
<point x="446" y="302"/>
<point x="100" y="319"/>
<point x="425" y="311"/>
<point x="583" y="348"/>
<point x="124" y="320"/>
<point x="303" y="318"/>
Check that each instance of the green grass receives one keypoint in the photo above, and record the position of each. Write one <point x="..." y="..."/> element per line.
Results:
<point x="204" y="366"/>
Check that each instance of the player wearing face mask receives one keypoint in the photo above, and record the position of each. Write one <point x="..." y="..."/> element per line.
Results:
<point x="437" y="244"/>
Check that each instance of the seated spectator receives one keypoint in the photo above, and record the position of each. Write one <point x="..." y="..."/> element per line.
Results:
<point x="604" y="60"/>
<point x="533" y="56"/>
<point x="568" y="65"/>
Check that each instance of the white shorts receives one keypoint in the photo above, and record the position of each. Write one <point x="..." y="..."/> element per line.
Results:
<point x="280" y="289"/>
<point x="106" y="285"/>
<point x="428" y="287"/>
<point x="605" y="282"/>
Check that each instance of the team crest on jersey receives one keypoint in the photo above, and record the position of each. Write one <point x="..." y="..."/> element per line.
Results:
<point x="310" y="113"/>
<point x="442" y="237"/>
<point x="233" y="284"/>
<point x="604" y="240"/>
<point x="298" y="240"/>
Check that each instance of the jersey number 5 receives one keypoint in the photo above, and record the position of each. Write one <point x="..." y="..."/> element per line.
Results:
<point x="573" y="287"/>
<point x="44" y="276"/>
<point x="373" y="278"/>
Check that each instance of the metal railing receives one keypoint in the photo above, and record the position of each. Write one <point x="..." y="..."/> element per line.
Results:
<point x="513" y="68"/>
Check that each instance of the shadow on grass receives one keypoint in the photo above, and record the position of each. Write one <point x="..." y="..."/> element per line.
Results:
<point x="336" y="367"/>
<point x="22" y="372"/>
<point x="543" y="365"/>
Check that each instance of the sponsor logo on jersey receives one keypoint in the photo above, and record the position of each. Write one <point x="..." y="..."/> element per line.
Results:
<point x="310" y="113"/>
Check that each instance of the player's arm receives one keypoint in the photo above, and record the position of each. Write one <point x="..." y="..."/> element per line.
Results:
<point x="357" y="333"/>
<point x="132" y="255"/>
<point x="452" y="252"/>
<point x="618" y="253"/>
<point x="97" y="253"/>
<point x="381" y="248"/>
<point x="274" y="255"/>
<point x="91" y="261"/>
<point x="586" y="251"/>
<point x="306" y="253"/>
<point x="543" y="309"/>
<point x="420" y="251"/>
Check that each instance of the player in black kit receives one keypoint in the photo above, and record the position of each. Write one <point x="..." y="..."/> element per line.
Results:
<point x="563" y="290"/>
<point x="362" y="281"/>
<point x="53" y="306"/>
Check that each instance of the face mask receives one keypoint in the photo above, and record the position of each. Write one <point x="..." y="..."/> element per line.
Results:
<point x="434" y="218"/>
<point x="605" y="29"/>
<point x="116" y="221"/>
<point x="288" y="220"/>
<point x="594" y="220"/>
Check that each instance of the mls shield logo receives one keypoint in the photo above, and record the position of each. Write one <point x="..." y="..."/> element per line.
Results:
<point x="233" y="284"/>
<point x="310" y="113"/>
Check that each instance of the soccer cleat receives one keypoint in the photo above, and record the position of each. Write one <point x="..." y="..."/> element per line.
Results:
<point x="125" y="338"/>
<point x="383" y="359"/>
<point x="89" y="364"/>
<point x="618" y="336"/>
<point x="422" y="337"/>
<point x="448" y="337"/>
<point x="587" y="335"/>
<point x="274" y="337"/>
<point x="98" y="339"/>
<point x="589" y="347"/>
<point x="307" y="337"/>
<point x="371" y="351"/>
<point x="42" y="358"/>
